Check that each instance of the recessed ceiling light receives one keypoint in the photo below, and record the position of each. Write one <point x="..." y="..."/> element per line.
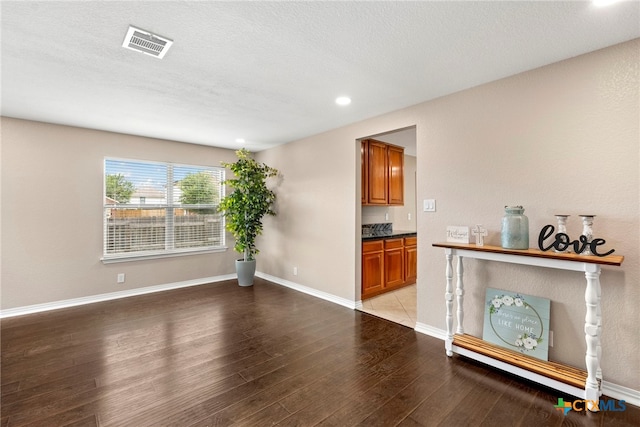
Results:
<point x="343" y="100"/>
<point x="240" y="140"/>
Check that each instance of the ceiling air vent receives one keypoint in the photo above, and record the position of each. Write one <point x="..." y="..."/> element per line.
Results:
<point x="146" y="42"/>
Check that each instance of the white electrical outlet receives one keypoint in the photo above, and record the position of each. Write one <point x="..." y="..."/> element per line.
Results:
<point x="409" y="217"/>
<point x="550" y="338"/>
<point x="120" y="277"/>
<point x="386" y="216"/>
<point x="295" y="271"/>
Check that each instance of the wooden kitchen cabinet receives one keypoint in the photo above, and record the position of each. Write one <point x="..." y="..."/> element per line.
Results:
<point x="393" y="263"/>
<point x="395" y="157"/>
<point x="382" y="173"/>
<point x="364" y="155"/>
<point x="388" y="264"/>
<point x="410" y="259"/>
<point x="378" y="173"/>
<point x="372" y="268"/>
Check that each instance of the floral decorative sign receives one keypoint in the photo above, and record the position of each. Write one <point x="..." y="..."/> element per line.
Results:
<point x="518" y="322"/>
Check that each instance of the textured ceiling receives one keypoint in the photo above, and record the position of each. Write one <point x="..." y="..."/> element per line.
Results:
<point x="269" y="71"/>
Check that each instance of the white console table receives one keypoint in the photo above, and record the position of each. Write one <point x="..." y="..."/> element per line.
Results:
<point x="573" y="381"/>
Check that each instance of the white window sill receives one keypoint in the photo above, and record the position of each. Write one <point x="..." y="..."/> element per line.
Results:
<point x="128" y="258"/>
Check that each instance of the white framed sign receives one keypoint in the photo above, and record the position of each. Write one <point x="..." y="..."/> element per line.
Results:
<point x="457" y="234"/>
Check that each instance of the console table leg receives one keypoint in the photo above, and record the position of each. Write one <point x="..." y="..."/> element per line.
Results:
<point x="599" y="348"/>
<point x="448" y="296"/>
<point x="591" y="333"/>
<point x="460" y="297"/>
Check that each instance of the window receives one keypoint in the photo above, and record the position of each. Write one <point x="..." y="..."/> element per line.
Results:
<point x="158" y="209"/>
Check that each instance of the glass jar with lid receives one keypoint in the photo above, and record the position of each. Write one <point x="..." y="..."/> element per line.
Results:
<point x="515" y="228"/>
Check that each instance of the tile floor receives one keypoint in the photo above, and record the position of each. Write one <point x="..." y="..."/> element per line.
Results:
<point x="397" y="306"/>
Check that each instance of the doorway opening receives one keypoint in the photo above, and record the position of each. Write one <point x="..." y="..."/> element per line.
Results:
<point x="396" y="304"/>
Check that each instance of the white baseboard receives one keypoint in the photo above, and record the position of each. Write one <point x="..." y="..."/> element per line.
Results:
<point x="30" y="309"/>
<point x="615" y="391"/>
<point x="619" y="392"/>
<point x="310" y="291"/>
<point x="423" y="328"/>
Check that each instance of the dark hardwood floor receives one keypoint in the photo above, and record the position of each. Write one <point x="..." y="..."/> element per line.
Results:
<point x="219" y="354"/>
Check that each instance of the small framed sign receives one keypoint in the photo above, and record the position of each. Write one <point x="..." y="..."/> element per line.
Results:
<point x="457" y="234"/>
<point x="518" y="322"/>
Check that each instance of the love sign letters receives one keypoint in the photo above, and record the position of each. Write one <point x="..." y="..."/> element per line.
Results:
<point x="563" y="241"/>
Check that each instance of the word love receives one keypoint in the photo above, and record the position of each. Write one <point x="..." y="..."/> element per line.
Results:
<point x="562" y="242"/>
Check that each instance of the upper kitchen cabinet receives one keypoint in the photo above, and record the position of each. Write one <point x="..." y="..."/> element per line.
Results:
<point x="382" y="173"/>
<point x="378" y="173"/>
<point x="396" y="175"/>
<point x="364" y="155"/>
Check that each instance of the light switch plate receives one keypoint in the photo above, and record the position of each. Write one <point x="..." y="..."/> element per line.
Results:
<point x="429" y="205"/>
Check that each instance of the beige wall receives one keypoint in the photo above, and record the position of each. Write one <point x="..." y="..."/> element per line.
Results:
<point x="315" y="197"/>
<point x="562" y="138"/>
<point x="52" y="184"/>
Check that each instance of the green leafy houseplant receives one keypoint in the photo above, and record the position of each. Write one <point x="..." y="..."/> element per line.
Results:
<point x="248" y="203"/>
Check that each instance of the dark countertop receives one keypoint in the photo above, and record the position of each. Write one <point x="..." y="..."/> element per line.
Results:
<point x="392" y="235"/>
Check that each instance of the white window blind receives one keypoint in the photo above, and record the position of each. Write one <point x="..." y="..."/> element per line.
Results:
<point x="156" y="209"/>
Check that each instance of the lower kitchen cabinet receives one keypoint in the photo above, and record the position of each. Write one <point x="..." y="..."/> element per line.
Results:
<point x="388" y="264"/>
<point x="410" y="259"/>
<point x="372" y="267"/>
<point x="393" y="263"/>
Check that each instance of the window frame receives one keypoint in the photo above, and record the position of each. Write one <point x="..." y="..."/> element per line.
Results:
<point x="169" y="217"/>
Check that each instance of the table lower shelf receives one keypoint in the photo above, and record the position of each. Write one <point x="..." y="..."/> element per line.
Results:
<point x="555" y="371"/>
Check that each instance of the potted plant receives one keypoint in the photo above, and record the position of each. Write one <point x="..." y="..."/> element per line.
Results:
<point x="245" y="207"/>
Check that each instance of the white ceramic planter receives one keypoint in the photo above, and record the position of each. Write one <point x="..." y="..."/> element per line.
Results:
<point x="246" y="271"/>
